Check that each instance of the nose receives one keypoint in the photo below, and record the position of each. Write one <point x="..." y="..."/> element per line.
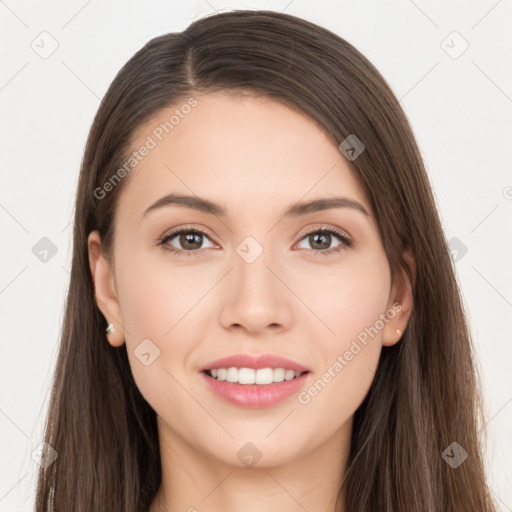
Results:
<point x="256" y="298"/>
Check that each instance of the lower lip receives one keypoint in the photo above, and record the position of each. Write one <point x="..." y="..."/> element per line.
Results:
<point x="255" y="396"/>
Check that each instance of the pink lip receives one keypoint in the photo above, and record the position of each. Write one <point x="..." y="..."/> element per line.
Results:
<point x="254" y="396"/>
<point x="255" y="362"/>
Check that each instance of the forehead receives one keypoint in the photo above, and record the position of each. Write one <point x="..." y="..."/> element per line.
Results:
<point x="243" y="152"/>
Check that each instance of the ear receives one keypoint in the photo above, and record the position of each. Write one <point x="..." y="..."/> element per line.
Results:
<point x="104" y="289"/>
<point x="401" y="302"/>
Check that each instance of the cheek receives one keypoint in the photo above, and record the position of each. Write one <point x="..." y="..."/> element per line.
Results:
<point x="346" y="299"/>
<point x="154" y="314"/>
<point x="156" y="294"/>
<point x="350" y="304"/>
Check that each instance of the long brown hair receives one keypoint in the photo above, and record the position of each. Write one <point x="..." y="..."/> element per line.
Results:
<point x="425" y="394"/>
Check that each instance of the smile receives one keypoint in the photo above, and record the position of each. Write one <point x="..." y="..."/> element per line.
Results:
<point x="253" y="389"/>
<point x="261" y="376"/>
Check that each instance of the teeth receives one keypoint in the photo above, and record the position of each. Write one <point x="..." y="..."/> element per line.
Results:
<point x="262" y="376"/>
<point x="248" y="376"/>
<point x="289" y="375"/>
<point x="232" y="375"/>
<point x="279" y="374"/>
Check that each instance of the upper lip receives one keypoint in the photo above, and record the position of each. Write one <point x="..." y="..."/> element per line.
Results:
<point x="255" y="362"/>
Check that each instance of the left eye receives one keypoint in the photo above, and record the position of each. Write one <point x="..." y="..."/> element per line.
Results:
<point x="323" y="238"/>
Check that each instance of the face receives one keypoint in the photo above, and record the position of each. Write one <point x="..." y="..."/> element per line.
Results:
<point x="187" y="286"/>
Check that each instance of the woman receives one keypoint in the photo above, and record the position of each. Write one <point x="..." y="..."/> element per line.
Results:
<point x="262" y="310"/>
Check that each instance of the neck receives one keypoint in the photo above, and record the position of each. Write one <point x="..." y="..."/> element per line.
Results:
<point x="193" y="481"/>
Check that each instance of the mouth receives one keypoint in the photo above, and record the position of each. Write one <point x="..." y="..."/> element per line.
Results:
<point x="254" y="388"/>
<point x="251" y="376"/>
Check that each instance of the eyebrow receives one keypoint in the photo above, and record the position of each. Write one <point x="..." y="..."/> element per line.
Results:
<point x="296" y="210"/>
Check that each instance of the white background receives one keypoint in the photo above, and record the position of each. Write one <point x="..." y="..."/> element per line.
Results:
<point x="460" y="109"/>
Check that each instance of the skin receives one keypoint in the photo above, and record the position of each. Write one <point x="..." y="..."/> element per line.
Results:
<point x="255" y="157"/>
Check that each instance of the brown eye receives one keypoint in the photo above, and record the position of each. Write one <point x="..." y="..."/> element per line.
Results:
<point x="189" y="241"/>
<point x="320" y="240"/>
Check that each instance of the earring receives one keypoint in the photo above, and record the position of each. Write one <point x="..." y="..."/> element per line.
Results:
<point x="110" y="329"/>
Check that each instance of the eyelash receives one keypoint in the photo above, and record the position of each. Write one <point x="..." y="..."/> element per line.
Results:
<point x="345" y="242"/>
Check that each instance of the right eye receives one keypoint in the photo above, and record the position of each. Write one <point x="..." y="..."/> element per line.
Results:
<point x="188" y="238"/>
